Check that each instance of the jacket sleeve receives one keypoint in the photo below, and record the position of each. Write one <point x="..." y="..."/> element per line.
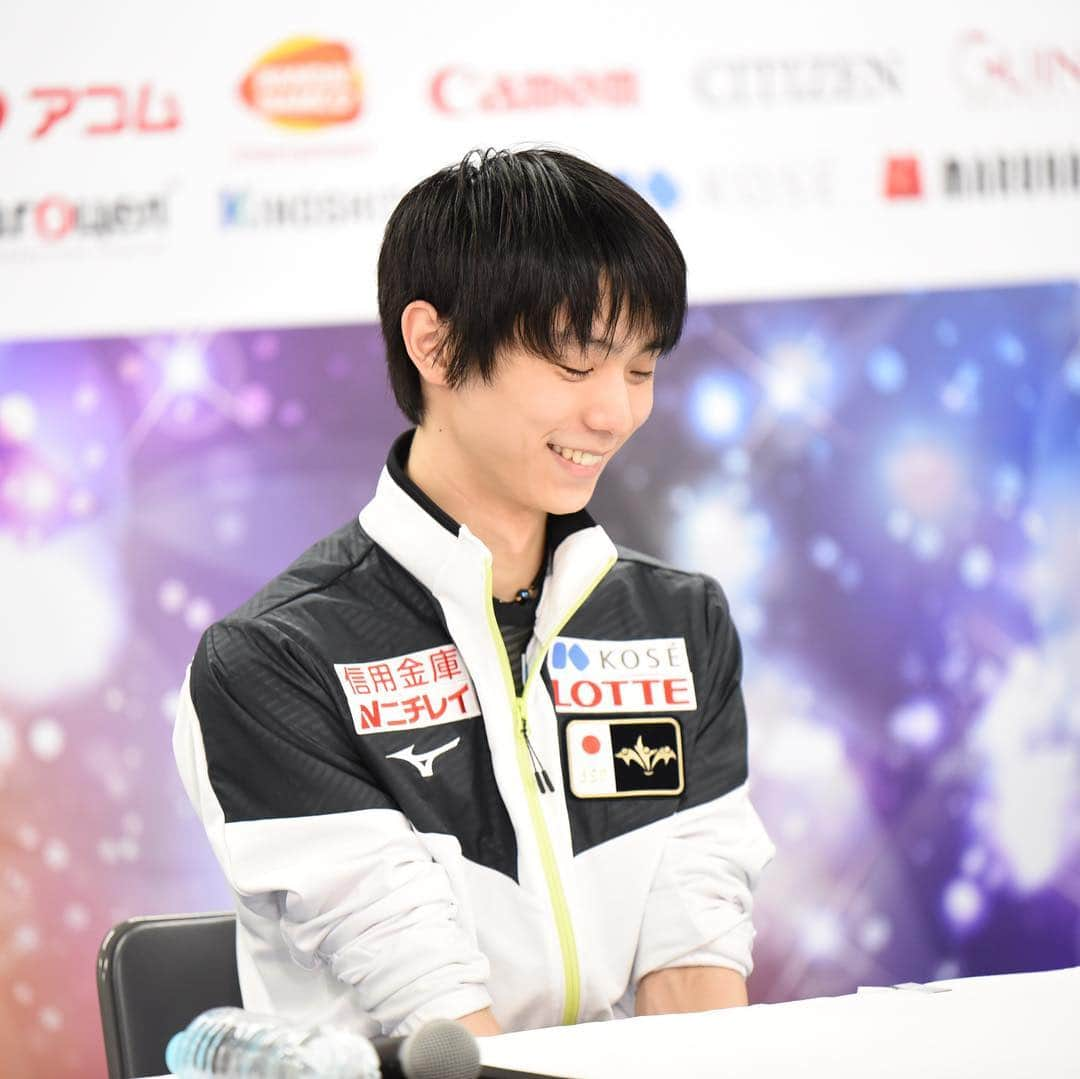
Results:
<point x="698" y="912"/>
<point x="298" y="825"/>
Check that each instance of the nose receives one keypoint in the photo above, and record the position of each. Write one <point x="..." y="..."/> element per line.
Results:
<point x="609" y="408"/>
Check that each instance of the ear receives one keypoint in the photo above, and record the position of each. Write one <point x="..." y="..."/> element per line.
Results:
<point x="423" y="331"/>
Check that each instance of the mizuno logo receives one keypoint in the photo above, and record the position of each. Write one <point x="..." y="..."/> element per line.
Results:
<point x="647" y="758"/>
<point x="423" y="762"/>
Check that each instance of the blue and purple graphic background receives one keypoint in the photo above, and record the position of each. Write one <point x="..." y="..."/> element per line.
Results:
<point x="888" y="487"/>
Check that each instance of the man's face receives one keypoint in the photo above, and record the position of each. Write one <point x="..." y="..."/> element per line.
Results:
<point x="539" y="435"/>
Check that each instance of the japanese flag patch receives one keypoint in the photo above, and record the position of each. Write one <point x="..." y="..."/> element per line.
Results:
<point x="419" y="689"/>
<point x="621" y="758"/>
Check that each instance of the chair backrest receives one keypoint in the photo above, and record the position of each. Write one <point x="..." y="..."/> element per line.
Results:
<point x="155" y="974"/>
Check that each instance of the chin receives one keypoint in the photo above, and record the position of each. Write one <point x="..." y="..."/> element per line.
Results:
<point x="569" y="503"/>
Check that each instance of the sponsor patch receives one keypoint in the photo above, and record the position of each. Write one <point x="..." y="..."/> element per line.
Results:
<point x="590" y="677"/>
<point x="622" y="758"/>
<point x="420" y="689"/>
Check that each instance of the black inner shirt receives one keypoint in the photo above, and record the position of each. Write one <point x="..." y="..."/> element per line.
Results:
<point x="516" y="621"/>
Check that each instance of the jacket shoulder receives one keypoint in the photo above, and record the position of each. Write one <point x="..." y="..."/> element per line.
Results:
<point x="664" y="576"/>
<point x="283" y="625"/>
<point x="325" y="564"/>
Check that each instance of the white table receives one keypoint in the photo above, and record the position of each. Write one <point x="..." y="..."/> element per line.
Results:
<point x="1012" y="1026"/>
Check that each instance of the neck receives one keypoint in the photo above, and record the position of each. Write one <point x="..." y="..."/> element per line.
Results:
<point x="512" y="533"/>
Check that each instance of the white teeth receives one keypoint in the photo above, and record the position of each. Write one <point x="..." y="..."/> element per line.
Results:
<point x="579" y="457"/>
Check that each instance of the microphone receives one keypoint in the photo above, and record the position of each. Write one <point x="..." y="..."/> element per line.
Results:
<point x="440" y="1049"/>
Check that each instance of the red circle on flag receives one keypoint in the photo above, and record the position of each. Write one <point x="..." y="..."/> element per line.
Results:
<point x="590" y="743"/>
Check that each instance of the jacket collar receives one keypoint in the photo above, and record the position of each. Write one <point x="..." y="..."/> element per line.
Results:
<point x="451" y="562"/>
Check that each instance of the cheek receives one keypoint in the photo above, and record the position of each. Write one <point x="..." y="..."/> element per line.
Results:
<point x="641" y="405"/>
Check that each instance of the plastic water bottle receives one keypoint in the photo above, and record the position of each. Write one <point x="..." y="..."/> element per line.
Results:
<point x="234" y="1043"/>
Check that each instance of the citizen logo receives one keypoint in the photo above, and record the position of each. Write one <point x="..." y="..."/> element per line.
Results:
<point x="812" y="79"/>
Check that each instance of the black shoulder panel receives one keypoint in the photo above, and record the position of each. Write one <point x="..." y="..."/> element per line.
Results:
<point x="642" y="598"/>
<point x="278" y="734"/>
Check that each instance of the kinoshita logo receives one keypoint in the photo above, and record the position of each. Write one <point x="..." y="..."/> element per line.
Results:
<point x="305" y="83"/>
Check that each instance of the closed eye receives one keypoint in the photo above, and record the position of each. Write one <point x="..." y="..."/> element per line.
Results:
<point x="577" y="373"/>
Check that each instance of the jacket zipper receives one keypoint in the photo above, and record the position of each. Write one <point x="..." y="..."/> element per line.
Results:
<point x="532" y="774"/>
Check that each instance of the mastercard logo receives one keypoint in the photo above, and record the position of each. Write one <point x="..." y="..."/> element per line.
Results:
<point x="305" y="83"/>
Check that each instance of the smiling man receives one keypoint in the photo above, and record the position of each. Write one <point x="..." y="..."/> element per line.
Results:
<point x="465" y="758"/>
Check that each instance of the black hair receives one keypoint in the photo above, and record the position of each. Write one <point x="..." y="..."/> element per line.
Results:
<point x="526" y="247"/>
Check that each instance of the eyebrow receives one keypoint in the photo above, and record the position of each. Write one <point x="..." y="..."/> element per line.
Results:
<point x="650" y="346"/>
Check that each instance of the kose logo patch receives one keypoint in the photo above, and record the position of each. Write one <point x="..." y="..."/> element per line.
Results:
<point x="589" y="677"/>
<point x="305" y="83"/>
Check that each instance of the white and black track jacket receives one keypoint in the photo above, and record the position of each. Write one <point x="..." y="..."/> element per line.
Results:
<point x="407" y="839"/>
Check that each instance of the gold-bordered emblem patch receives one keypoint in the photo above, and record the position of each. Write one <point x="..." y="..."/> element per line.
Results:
<point x="624" y="758"/>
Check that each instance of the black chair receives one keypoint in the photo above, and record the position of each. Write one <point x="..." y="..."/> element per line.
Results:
<point x="154" y="975"/>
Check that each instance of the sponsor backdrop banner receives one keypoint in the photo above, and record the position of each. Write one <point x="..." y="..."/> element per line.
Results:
<point x="208" y="166"/>
<point x="870" y="433"/>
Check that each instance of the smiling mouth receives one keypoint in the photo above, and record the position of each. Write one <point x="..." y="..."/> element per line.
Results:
<point x="579" y="457"/>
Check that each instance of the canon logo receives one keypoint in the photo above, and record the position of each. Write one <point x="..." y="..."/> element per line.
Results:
<point x="809" y="79"/>
<point x="462" y="90"/>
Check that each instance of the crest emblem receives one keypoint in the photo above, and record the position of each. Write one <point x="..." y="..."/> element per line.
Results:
<point x="640" y="753"/>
